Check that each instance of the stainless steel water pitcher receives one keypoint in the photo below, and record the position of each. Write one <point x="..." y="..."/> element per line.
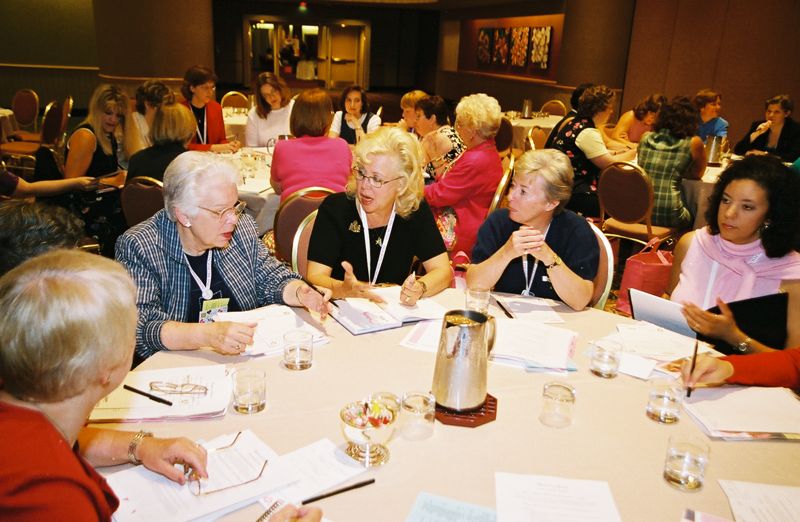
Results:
<point x="527" y="108"/>
<point x="459" y="379"/>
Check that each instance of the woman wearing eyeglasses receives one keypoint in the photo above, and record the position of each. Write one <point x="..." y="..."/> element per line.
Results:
<point x="199" y="89"/>
<point x="200" y="256"/>
<point x="372" y="232"/>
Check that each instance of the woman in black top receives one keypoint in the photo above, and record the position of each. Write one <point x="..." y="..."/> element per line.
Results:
<point x="173" y="127"/>
<point x="777" y="134"/>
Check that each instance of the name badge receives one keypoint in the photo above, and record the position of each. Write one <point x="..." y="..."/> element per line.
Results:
<point x="211" y="307"/>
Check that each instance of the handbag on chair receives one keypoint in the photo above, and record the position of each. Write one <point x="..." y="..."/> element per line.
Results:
<point x="647" y="271"/>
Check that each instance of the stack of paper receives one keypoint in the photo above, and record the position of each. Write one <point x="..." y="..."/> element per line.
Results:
<point x="655" y="342"/>
<point x="122" y="405"/>
<point x="753" y="502"/>
<point x="360" y="316"/>
<point x="532" y="308"/>
<point x="273" y="322"/>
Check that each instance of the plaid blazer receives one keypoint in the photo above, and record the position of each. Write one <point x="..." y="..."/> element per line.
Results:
<point x="153" y="255"/>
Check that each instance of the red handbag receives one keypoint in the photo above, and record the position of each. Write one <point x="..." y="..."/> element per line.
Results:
<point x="647" y="271"/>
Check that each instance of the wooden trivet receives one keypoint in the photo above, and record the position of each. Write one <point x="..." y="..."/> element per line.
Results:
<point x="484" y="415"/>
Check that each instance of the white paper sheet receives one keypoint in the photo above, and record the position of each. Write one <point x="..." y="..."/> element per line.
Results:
<point x="737" y="408"/>
<point x="533" y="343"/>
<point x="652" y="341"/>
<point x="424" y="336"/>
<point x="753" y="502"/>
<point x="660" y="312"/>
<point x="434" y="508"/>
<point x="273" y="322"/>
<point x="360" y="316"/>
<point x="636" y="366"/>
<point x="530" y="308"/>
<point x="423" y="309"/>
<point x="553" y="499"/>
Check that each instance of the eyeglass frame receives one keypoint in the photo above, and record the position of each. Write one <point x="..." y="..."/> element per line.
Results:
<point x="184" y="388"/>
<point x="372" y="181"/>
<point x="238" y="210"/>
<point x="193" y="478"/>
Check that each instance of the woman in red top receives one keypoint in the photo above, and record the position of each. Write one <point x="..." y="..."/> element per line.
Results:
<point x="198" y="89"/>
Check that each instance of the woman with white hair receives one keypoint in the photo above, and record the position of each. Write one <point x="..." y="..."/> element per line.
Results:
<point x="461" y="197"/>
<point x="536" y="246"/>
<point x="372" y="232"/>
<point x="200" y="255"/>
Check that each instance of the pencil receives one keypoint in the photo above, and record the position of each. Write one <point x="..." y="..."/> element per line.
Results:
<point x="337" y="491"/>
<point x="694" y="361"/>
<point x="320" y="292"/>
<point x="150" y="396"/>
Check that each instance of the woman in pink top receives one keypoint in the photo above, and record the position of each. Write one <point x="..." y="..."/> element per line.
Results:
<point x="312" y="159"/>
<point x="466" y="190"/>
<point x="633" y="124"/>
<point x="748" y="249"/>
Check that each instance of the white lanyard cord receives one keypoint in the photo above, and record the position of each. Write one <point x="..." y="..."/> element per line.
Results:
<point x="529" y="282"/>
<point x="711" y="278"/>
<point x="202" y="137"/>
<point x="205" y="289"/>
<point x="384" y="244"/>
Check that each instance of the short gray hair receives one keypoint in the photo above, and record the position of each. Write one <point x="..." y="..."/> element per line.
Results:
<point x="481" y="113"/>
<point x="187" y="174"/>
<point x="554" y="168"/>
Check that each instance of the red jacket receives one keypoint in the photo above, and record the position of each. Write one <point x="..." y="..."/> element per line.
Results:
<point x="781" y="368"/>
<point x="215" y="127"/>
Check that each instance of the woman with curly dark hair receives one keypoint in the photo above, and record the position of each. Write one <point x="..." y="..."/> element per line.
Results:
<point x="669" y="154"/>
<point x="635" y="123"/>
<point x="748" y="249"/>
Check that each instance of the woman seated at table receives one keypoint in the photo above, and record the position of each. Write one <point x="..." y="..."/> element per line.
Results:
<point x="461" y="197"/>
<point x="748" y="249"/>
<point x="171" y="131"/>
<point x="775" y="369"/>
<point x="562" y="246"/>
<point x="668" y="155"/>
<point x="635" y="123"/>
<point x="408" y="103"/>
<point x="709" y="104"/>
<point x="149" y="97"/>
<point x="199" y="256"/>
<point x="312" y="159"/>
<point x="778" y="134"/>
<point x="373" y="232"/>
<point x="93" y="150"/>
<point x="581" y="140"/>
<point x="354" y="112"/>
<point x="198" y="89"/>
<point x="52" y="381"/>
<point x="270" y="116"/>
<point x="441" y="145"/>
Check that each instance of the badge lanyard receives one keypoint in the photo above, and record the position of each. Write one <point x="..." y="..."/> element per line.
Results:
<point x="385" y="243"/>
<point x="529" y="282"/>
<point x="202" y="137"/>
<point x="205" y="289"/>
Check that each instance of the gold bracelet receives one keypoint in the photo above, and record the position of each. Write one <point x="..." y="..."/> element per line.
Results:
<point x="423" y="285"/>
<point x="134" y="445"/>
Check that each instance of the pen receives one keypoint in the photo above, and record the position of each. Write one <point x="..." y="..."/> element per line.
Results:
<point x="337" y="491"/>
<point x="148" y="395"/>
<point x="503" y="308"/>
<point x="320" y="292"/>
<point x="694" y="361"/>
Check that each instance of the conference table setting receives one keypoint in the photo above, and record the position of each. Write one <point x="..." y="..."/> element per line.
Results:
<point x="254" y="164"/>
<point x="235" y="119"/>
<point x="8" y="124"/>
<point x="466" y="406"/>
<point x="522" y="126"/>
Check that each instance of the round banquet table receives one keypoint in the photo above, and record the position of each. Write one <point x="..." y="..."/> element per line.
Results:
<point x="522" y="127"/>
<point x="611" y="439"/>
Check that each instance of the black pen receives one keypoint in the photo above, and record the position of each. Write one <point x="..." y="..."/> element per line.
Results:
<point x="337" y="491"/>
<point x="320" y="292"/>
<point x="148" y="395"/>
<point x="503" y="308"/>
<point x="694" y="361"/>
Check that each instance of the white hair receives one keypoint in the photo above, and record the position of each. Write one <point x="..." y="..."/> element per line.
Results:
<point x="188" y="175"/>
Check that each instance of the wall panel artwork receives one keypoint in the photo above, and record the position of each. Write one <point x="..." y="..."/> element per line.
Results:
<point x="484" y="51"/>
<point x="520" y="37"/>
<point x="540" y="46"/>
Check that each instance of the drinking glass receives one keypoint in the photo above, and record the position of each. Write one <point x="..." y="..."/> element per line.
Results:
<point x="478" y="300"/>
<point x="665" y="399"/>
<point x="298" y="349"/>
<point x="249" y="390"/>
<point x="685" y="463"/>
<point x="558" y="400"/>
<point x="605" y="360"/>
<point x="418" y="415"/>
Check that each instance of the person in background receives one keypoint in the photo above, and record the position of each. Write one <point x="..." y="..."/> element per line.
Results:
<point x="574" y="100"/>
<point x="777" y="134"/>
<point x="635" y="123"/>
<point x="461" y="197"/>
<point x="409" y="105"/>
<point x="748" y="249"/>
<point x="778" y="369"/>
<point x="669" y="154"/>
<point x="441" y="144"/>
<point x="149" y="97"/>
<point x="198" y="89"/>
<point x="171" y="131"/>
<point x="373" y="232"/>
<point x="709" y="103"/>
<point x="582" y="141"/>
<point x="353" y="120"/>
<point x="312" y="159"/>
<point x="270" y="116"/>
<point x="563" y="249"/>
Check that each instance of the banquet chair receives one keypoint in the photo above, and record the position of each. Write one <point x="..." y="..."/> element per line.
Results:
<point x="291" y="214"/>
<point x="21" y="154"/>
<point x="25" y="106"/>
<point x="536" y="138"/>
<point x="554" y="108"/>
<point x="235" y="99"/>
<point x="626" y="199"/>
<point x="141" y="198"/>
<point x="504" y="137"/>
<point x="499" y="199"/>
<point x="605" y="270"/>
<point x="300" y="243"/>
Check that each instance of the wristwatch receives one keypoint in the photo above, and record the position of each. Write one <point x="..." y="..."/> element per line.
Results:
<point x="744" y="346"/>
<point x="556" y="262"/>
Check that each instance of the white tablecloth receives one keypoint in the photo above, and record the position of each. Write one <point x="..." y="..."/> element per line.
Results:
<point x="523" y="126"/>
<point x="611" y="438"/>
<point x="255" y="190"/>
<point x="8" y="124"/>
<point x="235" y="125"/>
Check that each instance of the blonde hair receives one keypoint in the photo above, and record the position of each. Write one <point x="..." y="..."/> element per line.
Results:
<point x="188" y="175"/>
<point x="173" y="123"/>
<point x="410" y="99"/>
<point x="481" y="113"/>
<point x="554" y="168"/>
<point x="106" y="97"/>
<point x="67" y="317"/>
<point x="401" y="145"/>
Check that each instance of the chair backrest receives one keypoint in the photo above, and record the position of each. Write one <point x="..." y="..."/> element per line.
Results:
<point x="504" y="136"/>
<point x="291" y="213"/>
<point x="141" y="198"/>
<point x="626" y="194"/>
<point x="538" y="137"/>
<point x="605" y="270"/>
<point x="51" y="123"/>
<point x="235" y="99"/>
<point x="300" y="244"/>
<point x="25" y="105"/>
<point x="66" y="112"/>
<point x="554" y="107"/>
<point x="379" y="111"/>
<point x="502" y="187"/>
